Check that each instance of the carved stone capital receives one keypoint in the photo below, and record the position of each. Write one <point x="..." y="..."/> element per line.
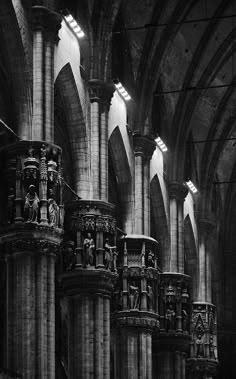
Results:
<point x="46" y="20"/>
<point x="144" y="146"/>
<point x="101" y="92"/>
<point x="177" y="191"/>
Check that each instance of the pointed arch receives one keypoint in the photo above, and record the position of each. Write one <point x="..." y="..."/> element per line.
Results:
<point x="160" y="220"/>
<point x="78" y="137"/>
<point x="191" y="257"/>
<point x="122" y="172"/>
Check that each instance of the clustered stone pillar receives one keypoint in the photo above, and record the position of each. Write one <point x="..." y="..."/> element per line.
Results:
<point x="88" y="282"/>
<point x="89" y="322"/>
<point x="100" y="97"/>
<point x="177" y="193"/>
<point x="135" y="308"/>
<point x="143" y="150"/>
<point x="45" y="28"/>
<point x="203" y="361"/>
<point x="30" y="242"/>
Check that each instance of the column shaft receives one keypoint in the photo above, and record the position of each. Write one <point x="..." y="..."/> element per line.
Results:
<point x="180" y="237"/>
<point x="146" y="193"/>
<point x="138" y="194"/>
<point x="173" y="235"/>
<point x="104" y="155"/>
<point x="49" y="90"/>
<point x="38" y="84"/>
<point x="202" y="271"/>
<point x="95" y="142"/>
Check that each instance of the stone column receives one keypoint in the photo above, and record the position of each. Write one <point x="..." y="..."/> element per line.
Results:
<point x="177" y="193"/>
<point x="30" y="245"/>
<point x="135" y="309"/>
<point x="100" y="97"/>
<point x="143" y="150"/>
<point x="89" y="293"/>
<point x="45" y="28"/>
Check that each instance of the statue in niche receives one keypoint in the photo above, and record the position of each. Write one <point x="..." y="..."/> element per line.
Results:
<point x="31" y="206"/>
<point x="11" y="205"/>
<point x="199" y="346"/>
<point x="89" y="247"/>
<point x="133" y="296"/>
<point x="150" y="298"/>
<point x="150" y="259"/>
<point x="211" y="348"/>
<point x="108" y="254"/>
<point x="170" y="318"/>
<point x="185" y="320"/>
<point x="53" y="209"/>
<point x="68" y="255"/>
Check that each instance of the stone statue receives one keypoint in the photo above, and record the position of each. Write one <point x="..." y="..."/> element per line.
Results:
<point x="53" y="210"/>
<point x="150" y="259"/>
<point x="199" y="346"/>
<point x="10" y="205"/>
<point x="88" y="250"/>
<point x="31" y="205"/>
<point x="185" y="319"/>
<point x="150" y="298"/>
<point x="170" y="318"/>
<point x="211" y="348"/>
<point x="133" y="296"/>
<point x="108" y="254"/>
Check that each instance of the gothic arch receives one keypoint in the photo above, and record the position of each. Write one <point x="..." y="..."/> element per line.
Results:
<point x="78" y="138"/>
<point x="122" y="172"/>
<point x="159" y="218"/>
<point x="190" y="252"/>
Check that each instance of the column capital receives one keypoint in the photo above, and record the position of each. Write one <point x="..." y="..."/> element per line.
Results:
<point x="101" y="91"/>
<point x="46" y="20"/>
<point x="177" y="190"/>
<point x="144" y="146"/>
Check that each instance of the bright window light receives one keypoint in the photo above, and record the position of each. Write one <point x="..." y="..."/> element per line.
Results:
<point x="191" y="186"/>
<point x="74" y="26"/>
<point x="122" y="91"/>
<point x="161" y="144"/>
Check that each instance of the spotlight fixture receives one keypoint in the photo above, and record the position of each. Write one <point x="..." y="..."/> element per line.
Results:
<point x="74" y="25"/>
<point x="161" y="144"/>
<point x="121" y="90"/>
<point x="191" y="186"/>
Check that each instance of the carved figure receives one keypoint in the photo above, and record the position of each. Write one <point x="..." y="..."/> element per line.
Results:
<point x="31" y="205"/>
<point x="53" y="210"/>
<point x="170" y="318"/>
<point x="199" y="346"/>
<point x="185" y="319"/>
<point x="108" y="254"/>
<point x="150" y="259"/>
<point x="88" y="250"/>
<point x="150" y="298"/>
<point x="211" y="348"/>
<point x="10" y="205"/>
<point x="69" y="255"/>
<point x="133" y="296"/>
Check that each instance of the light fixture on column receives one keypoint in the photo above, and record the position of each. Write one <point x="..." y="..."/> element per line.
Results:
<point x="191" y="186"/>
<point x="121" y="90"/>
<point x="74" y="25"/>
<point x="161" y="144"/>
